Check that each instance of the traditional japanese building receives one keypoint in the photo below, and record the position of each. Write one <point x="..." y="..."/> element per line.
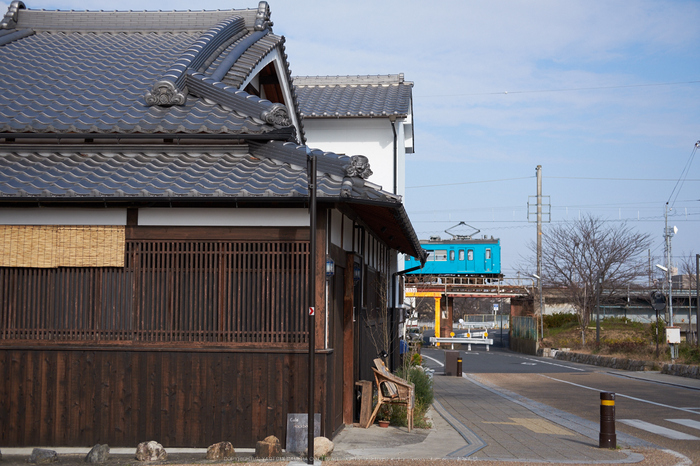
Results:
<point x="155" y="235"/>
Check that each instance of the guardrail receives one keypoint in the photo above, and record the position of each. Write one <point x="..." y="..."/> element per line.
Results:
<point x="463" y="341"/>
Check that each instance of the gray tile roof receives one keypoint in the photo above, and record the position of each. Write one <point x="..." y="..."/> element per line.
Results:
<point x="196" y="175"/>
<point x="353" y="96"/>
<point x="261" y="170"/>
<point x="93" y="72"/>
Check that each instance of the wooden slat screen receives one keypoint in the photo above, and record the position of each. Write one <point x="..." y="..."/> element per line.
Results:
<point x="168" y="291"/>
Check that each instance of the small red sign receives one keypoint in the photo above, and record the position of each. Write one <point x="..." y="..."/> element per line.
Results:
<point x="311" y="311"/>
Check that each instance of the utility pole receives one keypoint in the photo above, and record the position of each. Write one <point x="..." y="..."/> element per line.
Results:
<point x="312" y="187"/>
<point x="599" y="284"/>
<point x="539" y="243"/>
<point x="542" y="214"/>
<point x="697" y="300"/>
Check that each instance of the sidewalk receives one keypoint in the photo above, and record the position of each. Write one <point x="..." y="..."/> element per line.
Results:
<point x="499" y="427"/>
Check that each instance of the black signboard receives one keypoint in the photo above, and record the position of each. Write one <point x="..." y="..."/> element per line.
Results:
<point x="298" y="431"/>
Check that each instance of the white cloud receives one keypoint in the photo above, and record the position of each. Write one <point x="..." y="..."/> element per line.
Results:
<point x="462" y="56"/>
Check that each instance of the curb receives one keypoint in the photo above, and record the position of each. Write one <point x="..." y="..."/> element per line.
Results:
<point x="680" y="370"/>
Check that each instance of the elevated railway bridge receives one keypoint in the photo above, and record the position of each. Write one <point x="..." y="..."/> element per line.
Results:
<point x="443" y="289"/>
<point x="634" y="304"/>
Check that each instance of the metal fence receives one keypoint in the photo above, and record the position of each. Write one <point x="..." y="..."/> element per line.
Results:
<point x="523" y="327"/>
<point x="496" y="320"/>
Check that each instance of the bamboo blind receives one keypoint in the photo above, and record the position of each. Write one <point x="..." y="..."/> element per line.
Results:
<point x="48" y="246"/>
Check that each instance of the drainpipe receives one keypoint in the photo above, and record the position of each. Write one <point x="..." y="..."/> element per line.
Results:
<point x="392" y="120"/>
<point x="394" y="276"/>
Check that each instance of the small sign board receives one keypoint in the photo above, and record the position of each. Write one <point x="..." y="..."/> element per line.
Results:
<point x="673" y="335"/>
<point x="298" y="431"/>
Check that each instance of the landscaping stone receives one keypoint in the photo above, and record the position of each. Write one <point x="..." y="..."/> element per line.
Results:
<point x="322" y="448"/>
<point x="220" y="450"/>
<point x="150" y="451"/>
<point x="98" y="454"/>
<point x="268" y="448"/>
<point x="41" y="456"/>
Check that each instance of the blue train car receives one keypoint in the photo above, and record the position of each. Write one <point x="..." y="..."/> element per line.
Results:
<point x="460" y="256"/>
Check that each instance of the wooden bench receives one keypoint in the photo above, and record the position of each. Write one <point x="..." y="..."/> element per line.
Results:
<point x="392" y="390"/>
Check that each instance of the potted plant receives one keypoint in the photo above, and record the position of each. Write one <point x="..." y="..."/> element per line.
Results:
<point x="384" y="416"/>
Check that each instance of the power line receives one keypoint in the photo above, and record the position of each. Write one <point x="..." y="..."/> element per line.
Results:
<point x="684" y="173"/>
<point x="596" y="178"/>
<point x="552" y="177"/>
<point x="469" y="182"/>
<point x="572" y="89"/>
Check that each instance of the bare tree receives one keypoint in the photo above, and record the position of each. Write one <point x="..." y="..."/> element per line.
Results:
<point x="687" y="269"/>
<point x="575" y="255"/>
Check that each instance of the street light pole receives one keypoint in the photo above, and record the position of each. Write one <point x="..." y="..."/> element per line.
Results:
<point x="669" y="272"/>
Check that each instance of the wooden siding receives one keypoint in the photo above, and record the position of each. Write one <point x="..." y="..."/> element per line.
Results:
<point x="178" y="398"/>
<point x="169" y="291"/>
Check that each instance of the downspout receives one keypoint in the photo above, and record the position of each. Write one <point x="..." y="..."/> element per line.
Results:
<point x="394" y="287"/>
<point x="392" y="120"/>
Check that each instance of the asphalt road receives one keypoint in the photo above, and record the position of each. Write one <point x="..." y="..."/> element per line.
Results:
<point x="661" y="411"/>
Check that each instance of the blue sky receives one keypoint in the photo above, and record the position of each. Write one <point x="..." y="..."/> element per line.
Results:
<point x="605" y="95"/>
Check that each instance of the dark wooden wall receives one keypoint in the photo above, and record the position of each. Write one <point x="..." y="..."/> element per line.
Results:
<point x="69" y="397"/>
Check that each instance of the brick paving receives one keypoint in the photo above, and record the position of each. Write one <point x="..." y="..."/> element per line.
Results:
<point x="509" y="430"/>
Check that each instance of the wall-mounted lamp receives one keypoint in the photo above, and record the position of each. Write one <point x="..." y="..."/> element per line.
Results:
<point x="330" y="267"/>
<point x="357" y="273"/>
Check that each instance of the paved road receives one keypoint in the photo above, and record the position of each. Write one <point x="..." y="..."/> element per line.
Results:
<point x="661" y="410"/>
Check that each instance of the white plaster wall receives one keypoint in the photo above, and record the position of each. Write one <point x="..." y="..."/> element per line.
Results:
<point x="224" y="217"/>
<point x="336" y="228"/>
<point x="61" y="216"/>
<point x="348" y="227"/>
<point x="371" y="137"/>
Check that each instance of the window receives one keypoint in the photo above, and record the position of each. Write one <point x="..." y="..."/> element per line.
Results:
<point x="452" y="255"/>
<point x="461" y="254"/>
<point x="470" y="255"/>
<point x="441" y="254"/>
<point x="431" y="256"/>
<point x="488" y="254"/>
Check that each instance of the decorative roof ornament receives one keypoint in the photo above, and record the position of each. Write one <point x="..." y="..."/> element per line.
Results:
<point x="276" y="115"/>
<point x="166" y="94"/>
<point x="170" y="89"/>
<point x="358" y="166"/>
<point x="10" y="19"/>
<point x="262" y="18"/>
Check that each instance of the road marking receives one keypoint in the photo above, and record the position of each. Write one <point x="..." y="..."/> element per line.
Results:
<point x="686" y="422"/>
<point x="529" y="363"/>
<point x="658" y="430"/>
<point x="432" y="359"/>
<point x="554" y="364"/>
<point x="538" y="426"/>
<point x="619" y="395"/>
